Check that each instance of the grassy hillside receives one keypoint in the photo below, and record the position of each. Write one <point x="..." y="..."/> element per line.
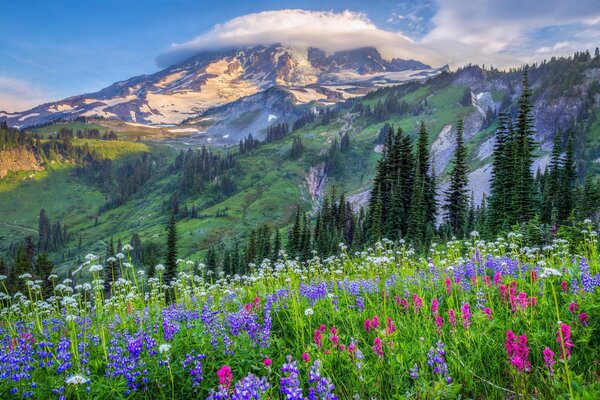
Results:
<point x="269" y="183"/>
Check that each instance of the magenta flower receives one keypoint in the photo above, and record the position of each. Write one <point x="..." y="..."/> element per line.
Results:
<point x="448" y="286"/>
<point x="466" y="315"/>
<point x="517" y="351"/>
<point x="306" y="357"/>
<point x="375" y="322"/>
<point x="439" y="322"/>
<point x="564" y="286"/>
<point x="435" y="304"/>
<point x="487" y="280"/>
<point x="488" y="311"/>
<point x="318" y="337"/>
<point x="367" y="325"/>
<point x="417" y="302"/>
<point x="583" y="318"/>
<point x="532" y="301"/>
<point x="563" y="337"/>
<point x="378" y="347"/>
<point x="267" y="362"/>
<point x="452" y="317"/>
<point x="225" y="376"/>
<point x="549" y="359"/>
<point x="323" y="327"/>
<point x="497" y="278"/>
<point x="573" y="307"/>
<point x="390" y="328"/>
<point x="334" y="339"/>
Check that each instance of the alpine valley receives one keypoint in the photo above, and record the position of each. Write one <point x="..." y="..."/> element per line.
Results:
<point x="108" y="166"/>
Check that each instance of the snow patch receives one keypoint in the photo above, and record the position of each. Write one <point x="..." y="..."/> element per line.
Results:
<point x="184" y="130"/>
<point x="24" y="117"/>
<point x="271" y="117"/>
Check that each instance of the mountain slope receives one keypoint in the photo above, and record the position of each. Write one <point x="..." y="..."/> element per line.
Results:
<point x="269" y="183"/>
<point x="212" y="79"/>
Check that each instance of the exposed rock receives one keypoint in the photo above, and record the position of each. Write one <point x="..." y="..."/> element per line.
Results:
<point x="316" y="179"/>
<point x="18" y="159"/>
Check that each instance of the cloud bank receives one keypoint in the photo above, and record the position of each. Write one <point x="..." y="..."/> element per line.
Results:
<point x="326" y="30"/>
<point x="501" y="33"/>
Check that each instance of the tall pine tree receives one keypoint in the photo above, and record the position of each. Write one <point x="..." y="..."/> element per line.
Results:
<point x="457" y="197"/>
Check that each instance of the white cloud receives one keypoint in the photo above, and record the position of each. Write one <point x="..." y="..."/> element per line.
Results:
<point x="18" y="95"/>
<point x="329" y="31"/>
<point x="463" y="31"/>
<point x="508" y="27"/>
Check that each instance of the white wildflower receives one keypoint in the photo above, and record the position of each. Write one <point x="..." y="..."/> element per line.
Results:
<point x="164" y="348"/>
<point x="76" y="380"/>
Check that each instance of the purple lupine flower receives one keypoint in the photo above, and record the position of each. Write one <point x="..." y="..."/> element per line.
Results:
<point x="290" y="383"/>
<point x="436" y="359"/>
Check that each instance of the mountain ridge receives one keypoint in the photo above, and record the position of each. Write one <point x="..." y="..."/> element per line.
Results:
<point x="211" y="79"/>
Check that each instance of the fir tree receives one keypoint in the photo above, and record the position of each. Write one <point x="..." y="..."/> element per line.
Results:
<point x="171" y="256"/>
<point x="44" y="268"/>
<point x="567" y="180"/>
<point x="524" y="185"/>
<point x="457" y="198"/>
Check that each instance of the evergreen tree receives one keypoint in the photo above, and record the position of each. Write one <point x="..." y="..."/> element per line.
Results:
<point x="276" y="245"/>
<point x="457" y="198"/>
<point x="524" y="205"/>
<point x="171" y="257"/>
<point x="44" y="268"/>
<point x="567" y="180"/>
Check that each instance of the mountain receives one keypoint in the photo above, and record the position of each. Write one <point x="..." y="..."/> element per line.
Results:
<point x="267" y="182"/>
<point x="212" y="79"/>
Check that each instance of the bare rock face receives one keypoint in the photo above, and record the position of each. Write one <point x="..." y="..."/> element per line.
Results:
<point x="316" y="179"/>
<point x="212" y="79"/>
<point x="18" y="159"/>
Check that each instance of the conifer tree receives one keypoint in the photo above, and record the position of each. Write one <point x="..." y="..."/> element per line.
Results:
<point x="44" y="269"/>
<point x="276" y="244"/>
<point x="567" y="180"/>
<point x="171" y="257"/>
<point x="524" y="185"/>
<point x="457" y="198"/>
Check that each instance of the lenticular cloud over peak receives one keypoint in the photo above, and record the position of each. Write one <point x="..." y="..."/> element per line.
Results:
<point x="329" y="31"/>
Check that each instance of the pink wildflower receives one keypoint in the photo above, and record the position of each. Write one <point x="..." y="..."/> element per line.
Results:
<point x="564" y="286"/>
<point x="583" y="318"/>
<point x="563" y="337"/>
<point x="497" y="278"/>
<point x="452" y="317"/>
<point x="318" y="338"/>
<point x="306" y="357"/>
<point x="435" y="304"/>
<point x="517" y="351"/>
<point x="390" y="328"/>
<point x="378" y="347"/>
<point x="439" y="322"/>
<point x="487" y="280"/>
<point x="466" y="315"/>
<point x="488" y="311"/>
<point x="375" y="322"/>
<point x="417" y="302"/>
<point x="323" y="327"/>
<point x="573" y="307"/>
<point x="225" y="376"/>
<point x="267" y="362"/>
<point x="549" y="359"/>
<point x="448" y="286"/>
<point x="367" y="325"/>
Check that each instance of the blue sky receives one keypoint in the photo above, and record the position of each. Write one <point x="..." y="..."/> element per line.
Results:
<point x="54" y="49"/>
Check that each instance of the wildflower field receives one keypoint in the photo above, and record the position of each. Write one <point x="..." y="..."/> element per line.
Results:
<point x="486" y="320"/>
